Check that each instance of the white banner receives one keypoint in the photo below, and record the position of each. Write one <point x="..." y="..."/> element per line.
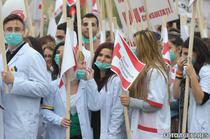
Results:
<point x="156" y="10"/>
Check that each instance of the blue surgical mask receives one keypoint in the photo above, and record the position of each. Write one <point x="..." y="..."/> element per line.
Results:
<point x="13" y="38"/>
<point x="57" y="59"/>
<point x="172" y="56"/>
<point x="86" y="40"/>
<point x="102" y="66"/>
<point x="80" y="74"/>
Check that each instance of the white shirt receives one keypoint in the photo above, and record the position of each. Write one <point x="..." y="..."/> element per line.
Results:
<point x="199" y="115"/>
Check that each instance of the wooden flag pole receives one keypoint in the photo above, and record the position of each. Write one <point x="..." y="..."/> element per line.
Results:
<point x="64" y="12"/>
<point x="90" y="29"/>
<point x="80" y="56"/>
<point x="128" y="19"/>
<point x="42" y="20"/>
<point x="100" y="14"/>
<point x="79" y="24"/>
<point x="68" y="84"/>
<point x="200" y="18"/>
<point x="127" y="123"/>
<point x="29" y="20"/>
<point x="147" y="14"/>
<point x="186" y="95"/>
<point x="2" y="46"/>
<point x="109" y="14"/>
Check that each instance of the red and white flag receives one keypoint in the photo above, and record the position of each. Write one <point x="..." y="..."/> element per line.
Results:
<point x="58" y="7"/>
<point x="166" y="48"/>
<point x="35" y="8"/>
<point x="124" y="63"/>
<point x="68" y="60"/>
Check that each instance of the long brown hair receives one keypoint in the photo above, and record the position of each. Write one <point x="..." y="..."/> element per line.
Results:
<point x="148" y="51"/>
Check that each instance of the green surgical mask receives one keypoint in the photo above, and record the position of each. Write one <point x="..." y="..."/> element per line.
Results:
<point x="193" y="61"/>
<point x="80" y="74"/>
<point x="102" y="66"/>
<point x="57" y="58"/>
<point x="86" y="40"/>
<point x="172" y="56"/>
<point x="13" y="38"/>
<point x="133" y="49"/>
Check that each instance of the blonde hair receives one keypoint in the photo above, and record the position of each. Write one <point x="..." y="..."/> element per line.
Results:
<point x="148" y="52"/>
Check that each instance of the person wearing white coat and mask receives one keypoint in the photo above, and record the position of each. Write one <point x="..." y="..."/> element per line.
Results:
<point x="54" y="106"/>
<point x="103" y="91"/>
<point x="149" y="97"/>
<point x="27" y="81"/>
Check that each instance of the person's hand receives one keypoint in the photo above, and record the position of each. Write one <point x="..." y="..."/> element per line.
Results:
<point x="125" y="100"/>
<point x="65" y="122"/>
<point x="89" y="73"/>
<point x="190" y="71"/>
<point x="181" y="62"/>
<point x="7" y="77"/>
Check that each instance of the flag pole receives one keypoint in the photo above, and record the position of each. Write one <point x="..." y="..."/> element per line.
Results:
<point x="127" y="123"/>
<point x="109" y="14"/>
<point x="29" y="20"/>
<point x="64" y="10"/>
<point x="41" y="19"/>
<point x="186" y="95"/>
<point x="200" y="18"/>
<point x="91" y="39"/>
<point x="68" y="83"/>
<point x="147" y="14"/>
<point x="2" y="46"/>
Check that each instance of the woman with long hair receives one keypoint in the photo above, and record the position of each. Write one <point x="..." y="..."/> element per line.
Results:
<point x="149" y="95"/>
<point x="54" y="106"/>
<point x="198" y="72"/>
<point x="103" y="91"/>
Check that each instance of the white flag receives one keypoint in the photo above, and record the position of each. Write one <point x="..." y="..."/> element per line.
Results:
<point x="52" y="27"/>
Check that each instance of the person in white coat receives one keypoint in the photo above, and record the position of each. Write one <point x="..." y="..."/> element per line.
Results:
<point x="199" y="74"/>
<point x="54" y="106"/>
<point x="1" y="120"/>
<point x="27" y="81"/>
<point x="149" y="95"/>
<point x="103" y="91"/>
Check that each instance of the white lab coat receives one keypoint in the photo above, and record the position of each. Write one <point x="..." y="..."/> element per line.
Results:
<point x="111" y="110"/>
<point x="21" y="114"/>
<point x="199" y="115"/>
<point x="57" y="101"/>
<point x="153" y="125"/>
<point x="1" y="120"/>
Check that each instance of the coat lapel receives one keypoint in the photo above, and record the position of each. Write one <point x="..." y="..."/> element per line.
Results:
<point x="19" y="53"/>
